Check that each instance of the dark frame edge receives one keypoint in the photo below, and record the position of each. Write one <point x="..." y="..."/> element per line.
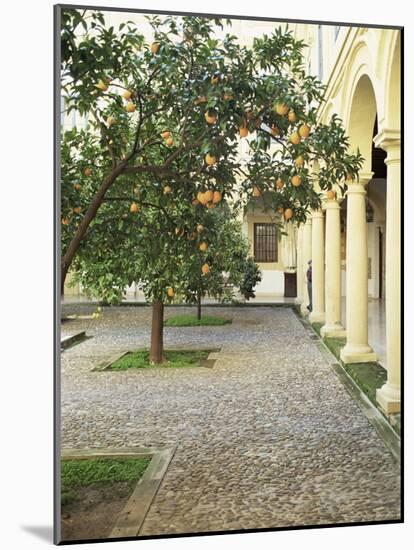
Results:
<point x="402" y="260"/>
<point x="225" y="16"/>
<point x="56" y="277"/>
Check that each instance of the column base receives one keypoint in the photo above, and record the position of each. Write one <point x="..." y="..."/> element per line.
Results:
<point x="353" y="353"/>
<point x="389" y="399"/>
<point x="317" y="317"/>
<point x="335" y="330"/>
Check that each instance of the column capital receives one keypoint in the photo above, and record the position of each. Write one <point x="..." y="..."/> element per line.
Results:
<point x="333" y="204"/>
<point x="356" y="188"/>
<point x="390" y="141"/>
<point x="363" y="178"/>
<point x="386" y="138"/>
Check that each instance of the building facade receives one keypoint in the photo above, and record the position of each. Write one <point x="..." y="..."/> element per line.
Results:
<point x="354" y="240"/>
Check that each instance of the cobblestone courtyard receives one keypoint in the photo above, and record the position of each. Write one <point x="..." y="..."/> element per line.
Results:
<point x="267" y="438"/>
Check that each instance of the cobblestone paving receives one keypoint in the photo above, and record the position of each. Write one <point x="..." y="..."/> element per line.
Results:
<point x="267" y="438"/>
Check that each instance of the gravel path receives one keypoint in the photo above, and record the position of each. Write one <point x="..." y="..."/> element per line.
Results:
<point x="267" y="438"/>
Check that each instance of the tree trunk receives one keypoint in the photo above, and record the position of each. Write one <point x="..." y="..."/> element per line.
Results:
<point x="198" y="305"/>
<point x="157" y="332"/>
<point x="86" y="221"/>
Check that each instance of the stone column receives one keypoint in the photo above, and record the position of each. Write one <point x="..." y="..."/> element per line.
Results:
<point x="333" y="326"/>
<point x="299" y="266"/>
<point x="306" y="256"/>
<point x="318" y="268"/>
<point x="357" y="349"/>
<point x="388" y="396"/>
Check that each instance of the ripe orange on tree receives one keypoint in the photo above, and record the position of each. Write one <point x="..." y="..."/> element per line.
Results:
<point x="217" y="196"/>
<point x="281" y="109"/>
<point x="244" y="131"/>
<point x="209" y="195"/>
<point x="292" y="117"/>
<point x="210" y="159"/>
<point x="155" y="46"/>
<point x="296" y="180"/>
<point x="210" y="117"/>
<point x="304" y="131"/>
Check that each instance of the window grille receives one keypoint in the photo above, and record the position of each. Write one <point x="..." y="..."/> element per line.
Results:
<point x="265" y="242"/>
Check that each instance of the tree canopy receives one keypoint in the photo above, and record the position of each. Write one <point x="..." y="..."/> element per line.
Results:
<point x="173" y="112"/>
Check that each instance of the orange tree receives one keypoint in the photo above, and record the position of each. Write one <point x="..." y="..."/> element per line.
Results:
<point x="145" y="237"/>
<point x="169" y="117"/>
<point x="176" y="109"/>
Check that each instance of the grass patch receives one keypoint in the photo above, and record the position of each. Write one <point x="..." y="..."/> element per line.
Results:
<point x="334" y="345"/>
<point x="98" y="472"/>
<point x="175" y="359"/>
<point x="317" y="327"/>
<point x="368" y="376"/>
<point x="187" y="320"/>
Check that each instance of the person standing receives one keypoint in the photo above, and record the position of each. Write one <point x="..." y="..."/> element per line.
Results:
<point x="309" y="280"/>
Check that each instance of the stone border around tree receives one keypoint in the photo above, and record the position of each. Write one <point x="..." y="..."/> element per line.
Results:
<point x="72" y="340"/>
<point x="132" y="517"/>
<point x="205" y="363"/>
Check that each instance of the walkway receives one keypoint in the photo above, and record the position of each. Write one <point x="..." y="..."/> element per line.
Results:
<point x="267" y="438"/>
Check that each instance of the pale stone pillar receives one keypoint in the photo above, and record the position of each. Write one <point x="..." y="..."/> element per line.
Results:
<point x="306" y="256"/>
<point x="333" y="326"/>
<point x="299" y="266"/>
<point x="318" y="268"/>
<point x="388" y="396"/>
<point x="357" y="349"/>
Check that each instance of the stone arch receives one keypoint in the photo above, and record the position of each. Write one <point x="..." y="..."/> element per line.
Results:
<point x="361" y="118"/>
<point x="328" y="112"/>
<point x="393" y="85"/>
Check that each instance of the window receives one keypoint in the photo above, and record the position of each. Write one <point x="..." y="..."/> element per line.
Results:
<point x="265" y="242"/>
<point x="337" y="28"/>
